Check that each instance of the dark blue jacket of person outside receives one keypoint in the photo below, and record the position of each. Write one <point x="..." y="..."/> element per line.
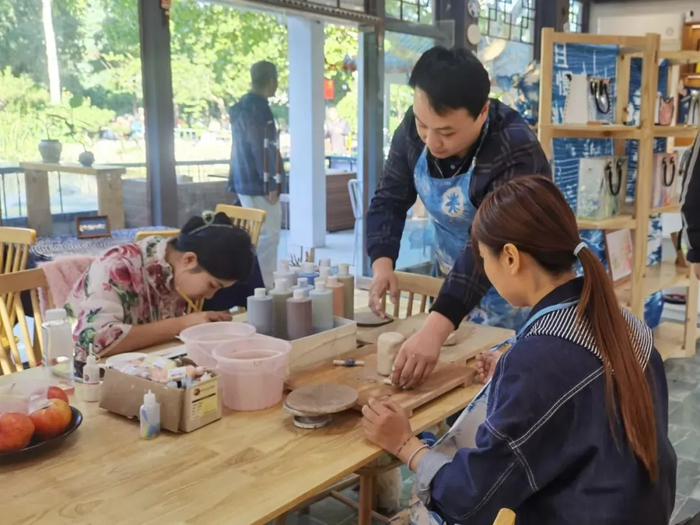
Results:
<point x="546" y="448"/>
<point x="251" y="123"/>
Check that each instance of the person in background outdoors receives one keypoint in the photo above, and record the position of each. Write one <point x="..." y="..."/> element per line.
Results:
<point x="573" y="427"/>
<point x="690" y="207"/>
<point x="136" y="295"/>
<point x="252" y="126"/>
<point x="337" y="131"/>
<point x="453" y="148"/>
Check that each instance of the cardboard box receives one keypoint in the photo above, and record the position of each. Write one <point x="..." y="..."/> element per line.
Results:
<point x="181" y="409"/>
<point x="311" y="350"/>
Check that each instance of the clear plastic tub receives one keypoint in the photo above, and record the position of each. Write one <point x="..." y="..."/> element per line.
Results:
<point x="252" y="372"/>
<point x="201" y="340"/>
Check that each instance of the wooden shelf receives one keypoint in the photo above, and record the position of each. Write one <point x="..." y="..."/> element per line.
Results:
<point x="671" y="208"/>
<point x="680" y="57"/>
<point x="658" y="277"/>
<point x="619" y="222"/>
<point x="669" y="339"/>
<point x="592" y="131"/>
<point x="676" y="131"/>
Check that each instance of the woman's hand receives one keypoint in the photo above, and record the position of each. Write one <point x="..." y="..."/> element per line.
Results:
<point x="198" y="318"/>
<point x="419" y="354"/>
<point x="386" y="425"/>
<point x="384" y="280"/>
<point x="486" y="364"/>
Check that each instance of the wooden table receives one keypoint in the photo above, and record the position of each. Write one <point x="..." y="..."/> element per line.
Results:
<point x="110" y="196"/>
<point x="248" y="468"/>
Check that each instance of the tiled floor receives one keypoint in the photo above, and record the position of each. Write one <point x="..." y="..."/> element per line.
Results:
<point x="684" y="430"/>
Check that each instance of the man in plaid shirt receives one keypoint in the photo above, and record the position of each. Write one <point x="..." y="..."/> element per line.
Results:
<point x="454" y="146"/>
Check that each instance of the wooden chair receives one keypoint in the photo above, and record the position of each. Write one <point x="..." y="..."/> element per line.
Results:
<point x="12" y="285"/>
<point x="418" y="287"/>
<point x="505" y="517"/>
<point x="250" y="219"/>
<point x="167" y="234"/>
<point x="14" y="253"/>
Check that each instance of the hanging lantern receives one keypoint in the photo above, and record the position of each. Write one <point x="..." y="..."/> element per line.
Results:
<point x="328" y="89"/>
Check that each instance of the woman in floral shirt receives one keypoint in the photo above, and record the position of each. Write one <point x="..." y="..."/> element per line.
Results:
<point x="134" y="295"/>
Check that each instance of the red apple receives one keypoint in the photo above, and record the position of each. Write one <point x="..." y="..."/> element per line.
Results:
<point x="52" y="420"/>
<point x="57" y="393"/>
<point x="16" y="431"/>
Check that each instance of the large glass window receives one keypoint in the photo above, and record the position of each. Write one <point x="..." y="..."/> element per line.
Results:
<point x="69" y="71"/>
<point x="575" y="16"/>
<point x="418" y="11"/>
<point x="508" y="19"/>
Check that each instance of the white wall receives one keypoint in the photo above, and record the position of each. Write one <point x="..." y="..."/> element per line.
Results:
<point x="643" y="16"/>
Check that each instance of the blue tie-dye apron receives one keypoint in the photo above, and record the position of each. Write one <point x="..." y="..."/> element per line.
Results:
<point x="452" y="212"/>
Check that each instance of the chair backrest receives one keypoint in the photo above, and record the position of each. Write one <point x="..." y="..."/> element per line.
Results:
<point x="13" y="284"/>
<point x="505" y="517"/>
<point x="250" y="219"/>
<point x="355" y="191"/>
<point x="143" y="234"/>
<point x="14" y="253"/>
<point x="418" y="287"/>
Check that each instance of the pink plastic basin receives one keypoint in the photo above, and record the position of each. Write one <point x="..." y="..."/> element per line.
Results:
<point x="252" y="372"/>
<point x="201" y="340"/>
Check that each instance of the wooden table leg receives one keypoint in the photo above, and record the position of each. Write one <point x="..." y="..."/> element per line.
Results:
<point x="280" y="520"/>
<point x="36" y="185"/>
<point x="366" y="499"/>
<point x="110" y="198"/>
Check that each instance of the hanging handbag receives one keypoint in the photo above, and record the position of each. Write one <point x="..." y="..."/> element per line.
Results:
<point x="670" y="192"/>
<point x="693" y="116"/>
<point x="599" y="184"/>
<point x="657" y="174"/>
<point x="665" y="110"/>
<point x="599" y="101"/>
<point x="575" y="108"/>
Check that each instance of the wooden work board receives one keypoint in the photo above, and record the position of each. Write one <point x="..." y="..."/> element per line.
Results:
<point x="369" y="384"/>
<point x="468" y="340"/>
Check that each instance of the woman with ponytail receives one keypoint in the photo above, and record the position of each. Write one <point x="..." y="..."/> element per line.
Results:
<point x="136" y="295"/>
<point x="574" y="420"/>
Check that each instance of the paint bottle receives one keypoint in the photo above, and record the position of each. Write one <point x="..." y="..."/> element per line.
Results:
<point x="308" y="271"/>
<point x="322" y="307"/>
<point x="260" y="311"/>
<point x="91" y="380"/>
<point x="324" y="272"/>
<point x="299" y="315"/>
<point x="348" y="282"/>
<point x="337" y="288"/>
<point x="324" y="263"/>
<point x="303" y="284"/>
<point x="285" y="272"/>
<point x="150" y="416"/>
<point x="280" y="293"/>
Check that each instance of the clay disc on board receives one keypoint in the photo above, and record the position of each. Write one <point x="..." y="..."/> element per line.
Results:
<point x="326" y="398"/>
<point x="369" y="319"/>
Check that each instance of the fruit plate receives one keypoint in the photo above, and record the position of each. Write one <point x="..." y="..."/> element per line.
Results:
<point x="36" y="446"/>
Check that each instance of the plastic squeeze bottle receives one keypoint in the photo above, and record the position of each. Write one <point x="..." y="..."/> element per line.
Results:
<point x="303" y="284"/>
<point x="299" y="316"/>
<point x="308" y="271"/>
<point x="280" y="293"/>
<point x="338" y="295"/>
<point x="91" y="380"/>
<point x="260" y="311"/>
<point x="348" y="282"/>
<point x="150" y="416"/>
<point x="284" y="272"/>
<point x="322" y="307"/>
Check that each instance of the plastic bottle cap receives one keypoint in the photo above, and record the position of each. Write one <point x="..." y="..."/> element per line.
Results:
<point x="299" y="294"/>
<point x="284" y="266"/>
<point x="320" y="286"/>
<point x="343" y="269"/>
<point x="149" y="398"/>
<point x="308" y="267"/>
<point x="55" y="314"/>
<point x="325" y="263"/>
<point x="92" y="359"/>
<point x="303" y="282"/>
<point x="324" y="272"/>
<point x="332" y="280"/>
<point x="281" y="285"/>
<point x="261" y="292"/>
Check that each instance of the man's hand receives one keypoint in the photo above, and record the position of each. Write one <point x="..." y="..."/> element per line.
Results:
<point x="384" y="280"/>
<point x="419" y="354"/>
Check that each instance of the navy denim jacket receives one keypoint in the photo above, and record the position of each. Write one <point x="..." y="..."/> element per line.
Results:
<point x="546" y="449"/>
<point x="251" y="123"/>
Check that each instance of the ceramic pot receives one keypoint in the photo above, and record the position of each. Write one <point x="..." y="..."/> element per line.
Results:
<point x="50" y="150"/>
<point x="86" y="158"/>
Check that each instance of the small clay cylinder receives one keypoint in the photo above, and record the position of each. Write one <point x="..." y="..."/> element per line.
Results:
<point x="388" y="346"/>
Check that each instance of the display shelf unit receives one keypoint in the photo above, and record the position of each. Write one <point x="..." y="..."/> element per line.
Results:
<point x="672" y="340"/>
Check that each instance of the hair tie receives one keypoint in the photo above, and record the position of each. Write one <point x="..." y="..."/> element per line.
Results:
<point x="579" y="247"/>
<point x="208" y="217"/>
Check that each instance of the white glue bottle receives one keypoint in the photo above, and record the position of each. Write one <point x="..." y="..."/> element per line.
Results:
<point x="91" y="380"/>
<point x="321" y="307"/>
<point x="150" y="416"/>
